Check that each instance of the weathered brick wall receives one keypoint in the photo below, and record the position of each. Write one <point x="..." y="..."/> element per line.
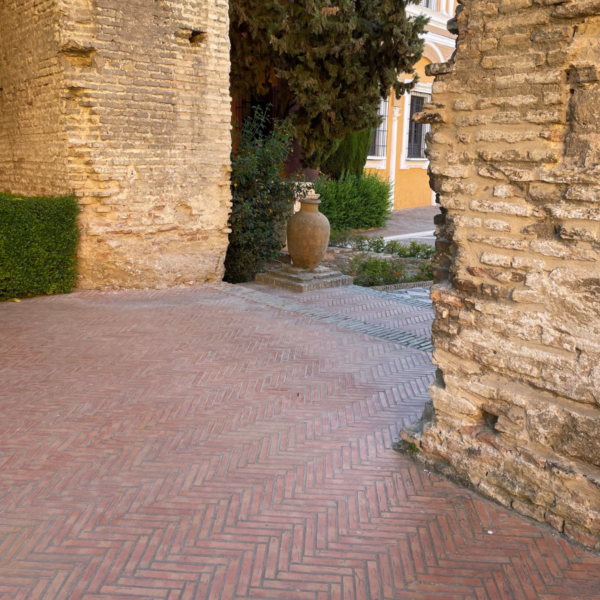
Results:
<point x="515" y="159"/>
<point x="144" y="108"/>
<point x="32" y="140"/>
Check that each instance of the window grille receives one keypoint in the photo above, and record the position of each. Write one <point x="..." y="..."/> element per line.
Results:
<point x="417" y="131"/>
<point x="245" y="105"/>
<point x="431" y="4"/>
<point x="379" y="139"/>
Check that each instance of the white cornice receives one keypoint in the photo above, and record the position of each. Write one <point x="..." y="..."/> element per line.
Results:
<point x="435" y="17"/>
<point x="440" y="40"/>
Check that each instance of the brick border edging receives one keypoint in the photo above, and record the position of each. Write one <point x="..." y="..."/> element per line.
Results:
<point x="402" y="286"/>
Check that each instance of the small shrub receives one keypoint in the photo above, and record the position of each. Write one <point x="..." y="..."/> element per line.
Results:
<point x="414" y="250"/>
<point x="38" y="245"/>
<point x="424" y="272"/>
<point x="262" y="200"/>
<point x="393" y="247"/>
<point x="354" y="202"/>
<point x="360" y="242"/>
<point x="371" y="271"/>
<point x="377" y="244"/>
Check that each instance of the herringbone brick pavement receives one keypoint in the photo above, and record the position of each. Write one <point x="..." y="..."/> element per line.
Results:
<point x="382" y="308"/>
<point x="196" y="444"/>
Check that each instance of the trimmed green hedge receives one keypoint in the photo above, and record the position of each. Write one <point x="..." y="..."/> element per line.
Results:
<point x="38" y="244"/>
<point x="352" y="202"/>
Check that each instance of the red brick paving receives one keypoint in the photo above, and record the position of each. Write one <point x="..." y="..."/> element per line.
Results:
<point x="191" y="444"/>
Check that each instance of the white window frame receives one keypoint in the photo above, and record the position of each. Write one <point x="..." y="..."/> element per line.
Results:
<point x="437" y="5"/>
<point x="405" y="162"/>
<point x="410" y="124"/>
<point x="384" y="125"/>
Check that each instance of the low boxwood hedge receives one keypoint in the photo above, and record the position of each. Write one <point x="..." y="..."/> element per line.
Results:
<point x="38" y="245"/>
<point x="353" y="202"/>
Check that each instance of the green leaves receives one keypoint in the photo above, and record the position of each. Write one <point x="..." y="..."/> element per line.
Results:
<point x="354" y="202"/>
<point x="370" y="271"/>
<point x="350" y="156"/>
<point x="262" y="199"/>
<point x="333" y="61"/>
<point x="38" y="244"/>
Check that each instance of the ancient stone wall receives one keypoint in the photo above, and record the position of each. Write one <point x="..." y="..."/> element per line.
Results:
<point x="32" y="140"/>
<point x="515" y="161"/>
<point x="140" y="130"/>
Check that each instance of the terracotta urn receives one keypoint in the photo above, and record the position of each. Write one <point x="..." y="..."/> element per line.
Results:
<point x="308" y="234"/>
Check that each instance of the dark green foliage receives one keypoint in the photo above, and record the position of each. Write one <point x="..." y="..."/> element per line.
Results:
<point x="353" y="202"/>
<point x="371" y="271"/>
<point x="350" y="156"/>
<point x="262" y="199"/>
<point x="334" y="61"/>
<point x="38" y="245"/>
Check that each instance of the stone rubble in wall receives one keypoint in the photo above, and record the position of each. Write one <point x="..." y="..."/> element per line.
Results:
<point x="515" y="163"/>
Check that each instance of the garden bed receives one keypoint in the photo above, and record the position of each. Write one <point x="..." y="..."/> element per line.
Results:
<point x="377" y="264"/>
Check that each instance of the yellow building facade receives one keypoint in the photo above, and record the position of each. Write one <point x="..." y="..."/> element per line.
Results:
<point x="398" y="147"/>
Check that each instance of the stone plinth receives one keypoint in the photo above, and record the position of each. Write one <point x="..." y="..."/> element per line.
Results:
<point x="304" y="280"/>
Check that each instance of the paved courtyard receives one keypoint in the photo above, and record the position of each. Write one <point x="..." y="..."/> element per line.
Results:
<point x="410" y="224"/>
<point x="225" y="442"/>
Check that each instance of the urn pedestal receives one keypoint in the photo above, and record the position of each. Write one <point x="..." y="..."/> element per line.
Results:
<point x="307" y="241"/>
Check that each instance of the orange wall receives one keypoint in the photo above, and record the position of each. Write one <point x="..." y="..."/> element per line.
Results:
<point x="411" y="185"/>
<point x="420" y="69"/>
<point x="412" y="189"/>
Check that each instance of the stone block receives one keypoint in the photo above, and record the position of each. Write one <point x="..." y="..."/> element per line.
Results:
<point x="555" y="521"/>
<point x="304" y="280"/>
<point x="580" y="535"/>
<point x="529" y="510"/>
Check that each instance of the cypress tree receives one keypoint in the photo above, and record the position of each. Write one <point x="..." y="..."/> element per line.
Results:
<point x="350" y="156"/>
<point x="333" y="61"/>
